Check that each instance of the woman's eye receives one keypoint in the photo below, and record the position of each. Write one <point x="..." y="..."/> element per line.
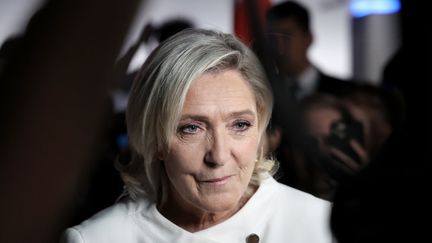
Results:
<point x="241" y="125"/>
<point x="189" y="129"/>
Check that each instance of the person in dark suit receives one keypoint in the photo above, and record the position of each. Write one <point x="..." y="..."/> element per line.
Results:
<point x="288" y="39"/>
<point x="288" y="31"/>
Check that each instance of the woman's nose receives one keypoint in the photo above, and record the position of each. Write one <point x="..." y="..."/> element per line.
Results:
<point x="218" y="151"/>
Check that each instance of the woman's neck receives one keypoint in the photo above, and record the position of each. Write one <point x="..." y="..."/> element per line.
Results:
<point x="194" y="219"/>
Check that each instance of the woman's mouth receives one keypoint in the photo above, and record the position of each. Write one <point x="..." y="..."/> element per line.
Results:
<point x="217" y="181"/>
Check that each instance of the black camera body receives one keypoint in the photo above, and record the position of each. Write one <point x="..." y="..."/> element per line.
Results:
<point x="342" y="131"/>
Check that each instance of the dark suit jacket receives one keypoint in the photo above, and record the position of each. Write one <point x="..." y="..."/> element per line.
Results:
<point x="334" y="86"/>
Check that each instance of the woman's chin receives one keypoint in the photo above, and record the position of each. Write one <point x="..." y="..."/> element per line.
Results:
<point x="221" y="203"/>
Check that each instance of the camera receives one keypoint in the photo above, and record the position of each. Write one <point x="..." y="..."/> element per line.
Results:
<point x="342" y="131"/>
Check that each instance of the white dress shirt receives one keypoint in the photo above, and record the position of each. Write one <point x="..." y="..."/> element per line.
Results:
<point x="307" y="82"/>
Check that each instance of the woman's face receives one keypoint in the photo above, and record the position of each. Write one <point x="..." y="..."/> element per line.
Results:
<point x="212" y="155"/>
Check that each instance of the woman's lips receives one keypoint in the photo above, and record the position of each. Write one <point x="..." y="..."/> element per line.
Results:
<point x="217" y="181"/>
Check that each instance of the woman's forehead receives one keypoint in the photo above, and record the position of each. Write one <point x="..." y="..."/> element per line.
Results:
<point x="227" y="90"/>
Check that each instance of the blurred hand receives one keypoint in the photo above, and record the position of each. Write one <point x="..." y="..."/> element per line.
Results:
<point x="347" y="163"/>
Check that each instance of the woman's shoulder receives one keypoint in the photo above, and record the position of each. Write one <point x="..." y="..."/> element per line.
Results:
<point x="112" y="221"/>
<point x="291" y="197"/>
<point x="291" y="214"/>
<point x="298" y="214"/>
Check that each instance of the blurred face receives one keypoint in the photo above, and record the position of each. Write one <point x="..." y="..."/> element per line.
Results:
<point x="212" y="156"/>
<point x="291" y="44"/>
<point x="318" y="121"/>
<point x="376" y="129"/>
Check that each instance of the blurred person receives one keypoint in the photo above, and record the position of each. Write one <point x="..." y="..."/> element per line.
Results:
<point x="389" y="200"/>
<point x="386" y="201"/>
<point x="380" y="110"/>
<point x="290" y="36"/>
<point x="349" y="131"/>
<point x="339" y="139"/>
<point x="396" y="178"/>
<point x="53" y="99"/>
<point x="196" y="118"/>
<point x="322" y="113"/>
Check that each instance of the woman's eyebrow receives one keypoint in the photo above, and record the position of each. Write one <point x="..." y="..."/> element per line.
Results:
<point x="246" y="112"/>
<point x="194" y="117"/>
<point x="243" y="114"/>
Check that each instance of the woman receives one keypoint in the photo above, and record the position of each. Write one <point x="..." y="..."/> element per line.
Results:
<point x="196" y="115"/>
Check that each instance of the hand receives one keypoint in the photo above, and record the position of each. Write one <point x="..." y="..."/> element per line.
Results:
<point x="347" y="163"/>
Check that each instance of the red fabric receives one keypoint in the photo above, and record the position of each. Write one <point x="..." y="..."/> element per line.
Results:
<point x="242" y="25"/>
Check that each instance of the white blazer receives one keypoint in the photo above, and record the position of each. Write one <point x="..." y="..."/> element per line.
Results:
<point x="275" y="213"/>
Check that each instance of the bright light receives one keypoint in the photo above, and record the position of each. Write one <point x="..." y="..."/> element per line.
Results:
<point x="361" y="8"/>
